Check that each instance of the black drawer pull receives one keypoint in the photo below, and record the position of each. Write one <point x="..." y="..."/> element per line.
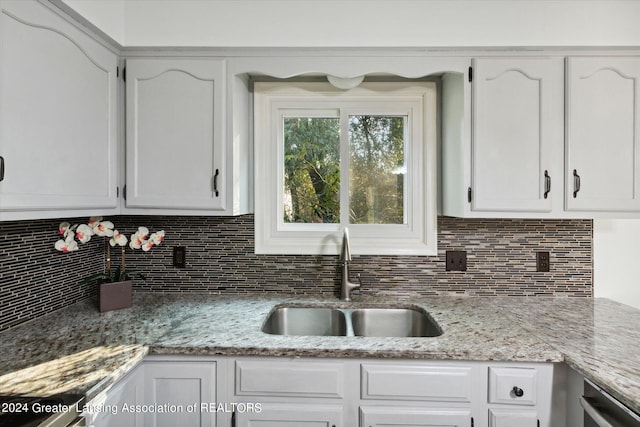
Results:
<point x="517" y="391"/>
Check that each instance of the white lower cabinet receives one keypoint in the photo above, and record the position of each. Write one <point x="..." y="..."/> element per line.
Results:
<point x="413" y="417"/>
<point x="176" y="390"/>
<point x="289" y="378"/>
<point x="516" y="399"/>
<point x="323" y="392"/>
<point x="298" y="415"/>
<point x="369" y="393"/>
<point x="418" y="381"/>
<point x="160" y="392"/>
<point x="116" y="407"/>
<point x="295" y="392"/>
<point x="513" y="385"/>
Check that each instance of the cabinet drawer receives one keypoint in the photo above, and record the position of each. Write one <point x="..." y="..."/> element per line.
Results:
<point x="416" y="382"/>
<point x="292" y="415"/>
<point x="513" y="418"/>
<point x="514" y="386"/>
<point x="297" y="378"/>
<point x="406" y="416"/>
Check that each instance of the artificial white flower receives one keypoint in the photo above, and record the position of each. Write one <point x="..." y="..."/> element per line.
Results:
<point x="136" y="241"/>
<point x="104" y="228"/>
<point x="118" y="239"/>
<point x="143" y="232"/>
<point x="96" y="226"/>
<point x="65" y="229"/>
<point x="84" y="233"/>
<point x="94" y="221"/>
<point x="157" y="237"/>
<point x="67" y="245"/>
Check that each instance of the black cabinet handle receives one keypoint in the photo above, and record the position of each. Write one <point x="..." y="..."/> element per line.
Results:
<point x="1" y="168"/>
<point x="517" y="391"/>
<point x="547" y="184"/>
<point x="215" y="182"/>
<point x="576" y="183"/>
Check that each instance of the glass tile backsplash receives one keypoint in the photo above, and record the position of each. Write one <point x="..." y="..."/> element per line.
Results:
<point x="501" y="260"/>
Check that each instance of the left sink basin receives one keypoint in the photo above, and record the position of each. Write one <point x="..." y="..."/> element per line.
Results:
<point x="306" y="321"/>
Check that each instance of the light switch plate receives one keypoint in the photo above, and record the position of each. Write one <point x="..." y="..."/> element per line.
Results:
<point x="456" y="260"/>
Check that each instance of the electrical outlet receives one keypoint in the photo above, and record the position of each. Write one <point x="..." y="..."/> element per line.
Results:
<point x="180" y="256"/>
<point x="456" y="260"/>
<point x="543" y="261"/>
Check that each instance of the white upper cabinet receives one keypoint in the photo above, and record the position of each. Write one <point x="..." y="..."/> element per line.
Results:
<point x="522" y="138"/>
<point x="58" y="110"/>
<point x="516" y="127"/>
<point x="603" y="121"/>
<point x="175" y="151"/>
<point x="511" y="159"/>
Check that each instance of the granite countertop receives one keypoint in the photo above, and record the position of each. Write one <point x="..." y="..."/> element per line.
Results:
<point x="598" y="337"/>
<point x="79" y="350"/>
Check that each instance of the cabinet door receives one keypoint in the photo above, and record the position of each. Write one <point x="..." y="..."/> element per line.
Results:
<point x="175" y="114"/>
<point x="414" y="417"/>
<point x="118" y="406"/>
<point x="294" y="414"/>
<point x="58" y="134"/>
<point x="181" y="389"/>
<point x="603" y="122"/>
<point x="516" y="127"/>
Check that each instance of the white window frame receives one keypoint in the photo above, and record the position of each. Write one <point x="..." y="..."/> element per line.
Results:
<point x="417" y="100"/>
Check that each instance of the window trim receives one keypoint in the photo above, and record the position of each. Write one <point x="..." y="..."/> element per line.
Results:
<point x="418" y="237"/>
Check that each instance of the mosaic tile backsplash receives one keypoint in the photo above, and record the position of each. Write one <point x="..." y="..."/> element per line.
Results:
<point x="36" y="279"/>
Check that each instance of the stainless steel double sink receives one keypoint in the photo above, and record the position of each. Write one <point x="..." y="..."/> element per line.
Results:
<point x="365" y="322"/>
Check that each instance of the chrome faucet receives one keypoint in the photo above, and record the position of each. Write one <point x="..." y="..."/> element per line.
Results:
<point x="346" y="286"/>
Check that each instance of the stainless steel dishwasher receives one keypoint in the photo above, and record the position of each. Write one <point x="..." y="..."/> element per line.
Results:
<point x="602" y="410"/>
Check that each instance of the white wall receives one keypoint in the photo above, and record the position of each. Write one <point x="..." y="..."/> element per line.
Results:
<point x="357" y="23"/>
<point x="406" y="23"/>
<point x="108" y="15"/>
<point x="616" y="254"/>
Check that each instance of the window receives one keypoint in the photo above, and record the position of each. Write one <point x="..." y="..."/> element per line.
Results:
<point x="326" y="159"/>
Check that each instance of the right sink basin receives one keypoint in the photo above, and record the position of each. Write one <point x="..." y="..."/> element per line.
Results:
<point x="393" y="322"/>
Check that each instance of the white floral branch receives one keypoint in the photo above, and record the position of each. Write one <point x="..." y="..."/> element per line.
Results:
<point x="97" y="227"/>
